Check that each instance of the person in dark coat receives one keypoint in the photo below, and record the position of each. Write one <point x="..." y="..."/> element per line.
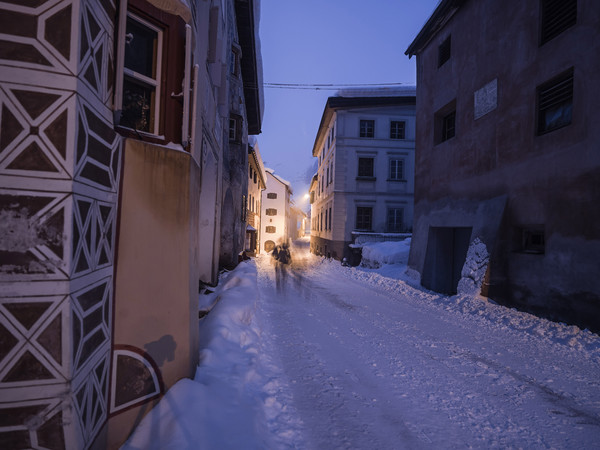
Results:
<point x="283" y="258"/>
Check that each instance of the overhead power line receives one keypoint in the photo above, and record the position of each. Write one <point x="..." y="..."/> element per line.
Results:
<point x="330" y="86"/>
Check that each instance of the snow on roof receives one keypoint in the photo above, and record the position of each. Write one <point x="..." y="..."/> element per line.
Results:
<point x="281" y="180"/>
<point x="395" y="91"/>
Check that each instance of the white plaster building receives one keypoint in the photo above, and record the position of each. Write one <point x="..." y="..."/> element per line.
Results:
<point x="257" y="182"/>
<point x="275" y="211"/>
<point x="365" y="179"/>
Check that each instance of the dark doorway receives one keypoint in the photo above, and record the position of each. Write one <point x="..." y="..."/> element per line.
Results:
<point x="446" y="253"/>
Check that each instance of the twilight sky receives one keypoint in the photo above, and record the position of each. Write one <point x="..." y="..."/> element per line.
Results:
<point x="326" y="42"/>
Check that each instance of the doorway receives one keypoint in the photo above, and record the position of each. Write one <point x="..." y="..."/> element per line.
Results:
<point x="445" y="257"/>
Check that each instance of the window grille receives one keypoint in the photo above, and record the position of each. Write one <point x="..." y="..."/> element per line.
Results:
<point x="367" y="128"/>
<point x="365" y="167"/>
<point x="397" y="129"/>
<point x="364" y="217"/>
<point x="557" y="16"/>
<point x="555" y="103"/>
<point x="396" y="169"/>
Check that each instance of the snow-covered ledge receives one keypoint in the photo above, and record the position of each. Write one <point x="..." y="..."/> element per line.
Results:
<point x="180" y="8"/>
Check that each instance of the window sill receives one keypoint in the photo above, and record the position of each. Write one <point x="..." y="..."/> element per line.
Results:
<point x="393" y="180"/>
<point x="366" y="178"/>
<point x="140" y="135"/>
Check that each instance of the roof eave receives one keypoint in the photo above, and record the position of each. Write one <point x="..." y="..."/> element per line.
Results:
<point x="442" y="14"/>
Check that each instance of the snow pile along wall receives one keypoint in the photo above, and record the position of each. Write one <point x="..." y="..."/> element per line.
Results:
<point x="223" y="407"/>
<point x="375" y="255"/>
<point x="473" y="272"/>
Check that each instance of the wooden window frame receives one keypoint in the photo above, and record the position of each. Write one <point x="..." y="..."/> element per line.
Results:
<point x="169" y="119"/>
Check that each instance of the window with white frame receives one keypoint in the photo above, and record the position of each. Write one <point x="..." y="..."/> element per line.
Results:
<point x="397" y="169"/>
<point x="395" y="220"/>
<point x="367" y="128"/>
<point x="141" y="79"/>
<point x="397" y="129"/>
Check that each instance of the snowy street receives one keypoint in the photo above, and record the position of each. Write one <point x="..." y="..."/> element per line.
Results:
<point x="371" y="368"/>
<point x="366" y="359"/>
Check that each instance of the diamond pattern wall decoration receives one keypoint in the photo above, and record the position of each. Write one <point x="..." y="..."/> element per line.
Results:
<point x="60" y="167"/>
<point x="39" y="121"/>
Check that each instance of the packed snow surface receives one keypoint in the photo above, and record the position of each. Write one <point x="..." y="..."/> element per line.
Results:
<point x="366" y="359"/>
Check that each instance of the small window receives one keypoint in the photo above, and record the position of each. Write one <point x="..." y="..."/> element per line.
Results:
<point x="255" y="179"/>
<point x="395" y="220"/>
<point x="244" y="208"/>
<point x="365" y="167"/>
<point x="448" y="126"/>
<point x="367" y="128"/>
<point x="397" y="129"/>
<point x="234" y="61"/>
<point x="142" y="75"/>
<point x="271" y="211"/>
<point x="250" y="173"/>
<point x="270" y="229"/>
<point x="330" y="218"/>
<point x="272" y="195"/>
<point x="533" y="240"/>
<point x="364" y="217"/>
<point x="444" y="51"/>
<point x="555" y="103"/>
<point x="235" y="128"/>
<point x="397" y="169"/>
<point x="556" y="17"/>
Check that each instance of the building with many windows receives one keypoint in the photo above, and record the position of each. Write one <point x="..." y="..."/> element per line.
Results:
<point x="507" y="152"/>
<point x="275" y="220"/>
<point x="364" y="183"/>
<point x="114" y="122"/>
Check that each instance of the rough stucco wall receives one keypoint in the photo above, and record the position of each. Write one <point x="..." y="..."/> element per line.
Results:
<point x="157" y="273"/>
<point x="548" y="179"/>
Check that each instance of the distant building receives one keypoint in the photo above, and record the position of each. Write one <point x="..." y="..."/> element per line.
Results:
<point x="507" y="152"/>
<point x="365" y="147"/>
<point x="275" y="211"/>
<point x="257" y="182"/>
<point x="297" y="225"/>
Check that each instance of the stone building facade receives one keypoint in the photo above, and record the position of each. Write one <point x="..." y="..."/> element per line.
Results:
<point x="507" y="152"/>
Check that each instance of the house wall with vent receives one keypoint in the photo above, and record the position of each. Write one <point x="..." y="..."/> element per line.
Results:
<point x="510" y="110"/>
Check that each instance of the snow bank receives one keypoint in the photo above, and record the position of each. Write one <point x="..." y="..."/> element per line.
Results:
<point x="376" y="254"/>
<point x="474" y="269"/>
<point x="224" y="406"/>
